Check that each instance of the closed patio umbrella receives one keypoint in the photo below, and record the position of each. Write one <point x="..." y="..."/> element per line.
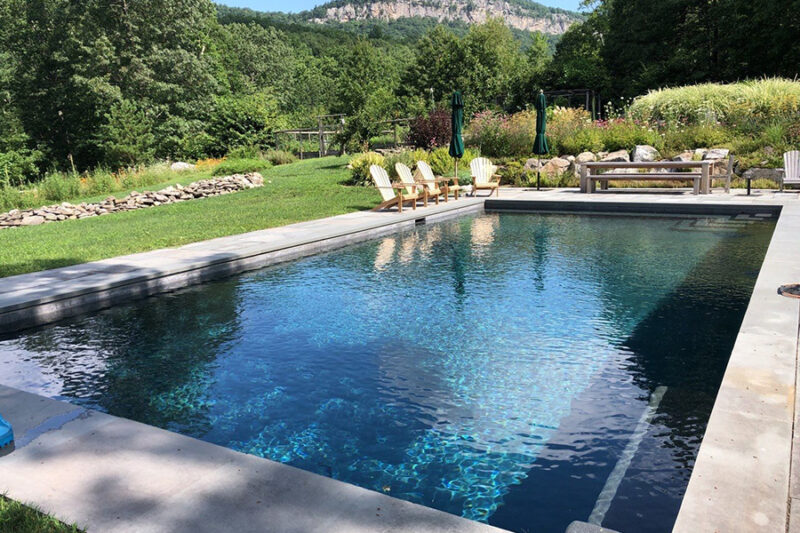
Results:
<point x="457" y="124"/>
<point x="540" y="143"/>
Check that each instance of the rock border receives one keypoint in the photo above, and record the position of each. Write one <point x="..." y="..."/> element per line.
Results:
<point x="135" y="200"/>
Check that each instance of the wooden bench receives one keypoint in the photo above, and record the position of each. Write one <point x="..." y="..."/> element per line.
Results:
<point x="701" y="178"/>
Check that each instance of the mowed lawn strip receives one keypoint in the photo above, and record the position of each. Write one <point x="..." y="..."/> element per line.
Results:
<point x="297" y="192"/>
<point x="18" y="518"/>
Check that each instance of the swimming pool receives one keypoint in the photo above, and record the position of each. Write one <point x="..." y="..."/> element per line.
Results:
<point x="525" y="370"/>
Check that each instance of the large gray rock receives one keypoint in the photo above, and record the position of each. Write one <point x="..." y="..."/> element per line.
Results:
<point x="645" y="153"/>
<point x="557" y="166"/>
<point x="180" y="166"/>
<point x="716" y="154"/>
<point x="765" y="173"/>
<point x="34" y="220"/>
<point x="585" y="157"/>
<point x="534" y="163"/>
<point x="688" y="155"/>
<point x="620" y="156"/>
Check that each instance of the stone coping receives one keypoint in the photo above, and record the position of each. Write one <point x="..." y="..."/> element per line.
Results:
<point x="110" y="474"/>
<point x="110" y="470"/>
<point x="38" y="298"/>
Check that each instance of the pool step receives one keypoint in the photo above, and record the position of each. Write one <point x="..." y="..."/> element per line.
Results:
<point x="717" y="224"/>
<point x="586" y="527"/>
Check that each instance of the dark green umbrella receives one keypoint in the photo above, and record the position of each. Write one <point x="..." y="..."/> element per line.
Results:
<point x="540" y="143"/>
<point x="457" y="123"/>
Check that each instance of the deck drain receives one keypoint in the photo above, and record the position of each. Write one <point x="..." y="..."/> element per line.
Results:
<point x="790" y="290"/>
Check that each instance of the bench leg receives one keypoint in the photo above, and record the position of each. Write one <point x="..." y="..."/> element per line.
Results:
<point x="696" y="187"/>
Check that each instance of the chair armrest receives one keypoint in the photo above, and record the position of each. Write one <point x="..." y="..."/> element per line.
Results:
<point x="395" y="186"/>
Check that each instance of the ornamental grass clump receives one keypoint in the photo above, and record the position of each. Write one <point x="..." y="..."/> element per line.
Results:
<point x="730" y="104"/>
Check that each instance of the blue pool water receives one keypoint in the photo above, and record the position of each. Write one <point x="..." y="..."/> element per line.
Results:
<point x="492" y="366"/>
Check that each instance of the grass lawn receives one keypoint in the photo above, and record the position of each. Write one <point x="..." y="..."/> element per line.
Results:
<point x="18" y="518"/>
<point x="291" y="193"/>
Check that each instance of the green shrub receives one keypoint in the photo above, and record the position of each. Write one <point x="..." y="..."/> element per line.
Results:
<point x="101" y="181"/>
<point x="58" y="187"/>
<point x="621" y="134"/>
<point x="406" y="157"/>
<point x="244" y="120"/>
<point x="498" y="135"/>
<point x="240" y="166"/>
<point x="679" y="138"/>
<point x="245" y="152"/>
<point x="19" y="166"/>
<point x="443" y="165"/>
<point x="279" y="157"/>
<point x="359" y="167"/>
<point x="585" y="139"/>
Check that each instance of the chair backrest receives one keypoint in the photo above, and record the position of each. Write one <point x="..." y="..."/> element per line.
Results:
<point x="382" y="182"/>
<point x="791" y="165"/>
<point x="406" y="177"/>
<point x="482" y="170"/>
<point x="427" y="175"/>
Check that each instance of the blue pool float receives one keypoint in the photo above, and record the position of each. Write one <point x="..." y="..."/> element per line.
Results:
<point x="6" y="437"/>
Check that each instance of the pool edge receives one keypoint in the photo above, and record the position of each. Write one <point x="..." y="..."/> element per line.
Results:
<point x="745" y="476"/>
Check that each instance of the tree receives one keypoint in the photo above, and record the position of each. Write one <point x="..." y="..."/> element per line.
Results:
<point x="578" y="62"/>
<point x="127" y="136"/>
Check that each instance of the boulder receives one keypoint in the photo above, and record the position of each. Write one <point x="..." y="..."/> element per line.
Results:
<point x="619" y="156"/>
<point x="766" y="173"/>
<point x="534" y="163"/>
<point x="684" y="156"/>
<point x="715" y="154"/>
<point x="585" y="157"/>
<point x="34" y="220"/>
<point x="557" y="166"/>
<point x="700" y="152"/>
<point x="180" y="166"/>
<point x="645" y="153"/>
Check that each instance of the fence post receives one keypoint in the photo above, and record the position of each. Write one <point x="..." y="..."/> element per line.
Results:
<point x="321" y="138"/>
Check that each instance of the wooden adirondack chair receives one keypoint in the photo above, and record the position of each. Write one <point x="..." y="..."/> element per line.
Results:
<point x="791" y="168"/>
<point x="435" y="186"/>
<point x="387" y="188"/>
<point x="407" y="178"/>
<point x="484" y="175"/>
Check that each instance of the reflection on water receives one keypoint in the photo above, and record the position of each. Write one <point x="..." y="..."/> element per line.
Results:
<point x="491" y="366"/>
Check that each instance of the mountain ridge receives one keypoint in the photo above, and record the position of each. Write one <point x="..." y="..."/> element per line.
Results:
<point x="522" y="15"/>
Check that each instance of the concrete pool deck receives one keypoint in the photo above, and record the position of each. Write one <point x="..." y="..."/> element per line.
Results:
<point x="113" y="474"/>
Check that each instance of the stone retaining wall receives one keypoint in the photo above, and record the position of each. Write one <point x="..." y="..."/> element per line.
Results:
<point x="135" y="200"/>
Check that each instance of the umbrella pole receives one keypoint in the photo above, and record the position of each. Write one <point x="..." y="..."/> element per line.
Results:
<point x="538" y="172"/>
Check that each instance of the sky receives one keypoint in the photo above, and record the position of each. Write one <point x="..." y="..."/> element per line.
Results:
<point x="293" y="6"/>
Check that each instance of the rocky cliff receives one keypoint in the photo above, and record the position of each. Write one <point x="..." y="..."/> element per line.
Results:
<point x="517" y="14"/>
